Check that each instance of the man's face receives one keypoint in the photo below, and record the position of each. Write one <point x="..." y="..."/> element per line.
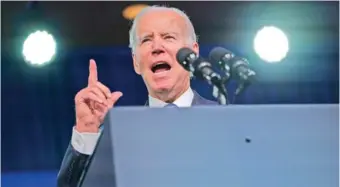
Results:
<point x="160" y="35"/>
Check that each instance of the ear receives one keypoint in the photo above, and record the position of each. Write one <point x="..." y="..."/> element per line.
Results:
<point x="195" y="48"/>
<point x="136" y="64"/>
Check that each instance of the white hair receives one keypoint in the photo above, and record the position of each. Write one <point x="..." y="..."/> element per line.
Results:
<point x="133" y="34"/>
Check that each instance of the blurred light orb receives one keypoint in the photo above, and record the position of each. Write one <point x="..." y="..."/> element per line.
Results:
<point x="271" y="44"/>
<point x="39" y="48"/>
<point x="131" y="11"/>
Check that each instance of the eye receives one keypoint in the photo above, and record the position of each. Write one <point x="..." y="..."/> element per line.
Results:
<point x="169" y="37"/>
<point x="145" y="40"/>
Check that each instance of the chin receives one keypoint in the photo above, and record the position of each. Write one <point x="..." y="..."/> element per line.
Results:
<point x="162" y="86"/>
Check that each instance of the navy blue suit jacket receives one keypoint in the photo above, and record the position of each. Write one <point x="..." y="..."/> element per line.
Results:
<point x="74" y="163"/>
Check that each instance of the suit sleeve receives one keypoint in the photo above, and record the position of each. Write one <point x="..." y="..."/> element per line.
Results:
<point x="72" y="168"/>
<point x="77" y="158"/>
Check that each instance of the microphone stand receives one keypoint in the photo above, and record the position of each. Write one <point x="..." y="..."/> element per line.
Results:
<point x="220" y="92"/>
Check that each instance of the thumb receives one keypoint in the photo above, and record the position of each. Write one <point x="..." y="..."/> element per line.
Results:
<point x="114" y="97"/>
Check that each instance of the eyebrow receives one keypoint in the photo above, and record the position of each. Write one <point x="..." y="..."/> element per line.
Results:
<point x="162" y="34"/>
<point x="145" y="36"/>
<point x="171" y="33"/>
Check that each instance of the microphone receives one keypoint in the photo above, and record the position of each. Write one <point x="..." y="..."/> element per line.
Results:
<point x="186" y="57"/>
<point x="239" y="67"/>
<point x="222" y="57"/>
<point x="202" y="69"/>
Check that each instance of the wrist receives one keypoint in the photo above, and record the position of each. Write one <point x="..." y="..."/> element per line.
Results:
<point x="82" y="128"/>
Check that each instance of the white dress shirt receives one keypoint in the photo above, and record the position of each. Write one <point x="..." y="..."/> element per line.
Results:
<point x="85" y="143"/>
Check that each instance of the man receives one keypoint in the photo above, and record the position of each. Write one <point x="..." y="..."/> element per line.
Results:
<point x="156" y="36"/>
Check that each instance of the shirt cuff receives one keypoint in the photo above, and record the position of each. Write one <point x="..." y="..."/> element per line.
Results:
<point x="84" y="143"/>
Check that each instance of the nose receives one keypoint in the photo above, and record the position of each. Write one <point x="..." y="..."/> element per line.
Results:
<point x="157" y="51"/>
<point x="157" y="47"/>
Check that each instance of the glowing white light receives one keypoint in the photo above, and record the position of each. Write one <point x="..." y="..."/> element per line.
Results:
<point x="39" y="48"/>
<point x="271" y="44"/>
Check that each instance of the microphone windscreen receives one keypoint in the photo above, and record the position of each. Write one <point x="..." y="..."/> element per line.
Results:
<point x="217" y="53"/>
<point x="183" y="54"/>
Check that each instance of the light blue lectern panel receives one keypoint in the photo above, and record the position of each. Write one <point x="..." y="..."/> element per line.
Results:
<point x="101" y="170"/>
<point x="238" y="146"/>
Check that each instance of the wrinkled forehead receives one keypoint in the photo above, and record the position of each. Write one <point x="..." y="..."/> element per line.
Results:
<point x="158" y="22"/>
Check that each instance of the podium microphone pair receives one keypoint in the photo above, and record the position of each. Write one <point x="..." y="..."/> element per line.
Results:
<point x="233" y="67"/>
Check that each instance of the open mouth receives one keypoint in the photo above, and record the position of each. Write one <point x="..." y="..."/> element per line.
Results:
<point x="160" y="67"/>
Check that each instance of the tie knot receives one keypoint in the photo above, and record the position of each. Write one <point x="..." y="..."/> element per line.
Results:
<point x="171" y="105"/>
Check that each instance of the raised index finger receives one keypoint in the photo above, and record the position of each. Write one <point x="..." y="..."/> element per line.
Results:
<point x="93" y="77"/>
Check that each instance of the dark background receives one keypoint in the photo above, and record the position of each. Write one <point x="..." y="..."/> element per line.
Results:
<point x="37" y="103"/>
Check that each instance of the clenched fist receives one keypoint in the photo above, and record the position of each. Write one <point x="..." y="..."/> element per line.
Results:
<point x="93" y="102"/>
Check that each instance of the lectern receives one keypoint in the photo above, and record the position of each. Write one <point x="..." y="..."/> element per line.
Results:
<point x="218" y="146"/>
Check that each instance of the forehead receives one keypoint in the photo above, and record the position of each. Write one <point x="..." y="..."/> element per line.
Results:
<point x="160" y="21"/>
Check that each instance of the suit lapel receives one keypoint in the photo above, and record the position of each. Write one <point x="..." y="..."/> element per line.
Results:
<point x="146" y="103"/>
<point x="197" y="99"/>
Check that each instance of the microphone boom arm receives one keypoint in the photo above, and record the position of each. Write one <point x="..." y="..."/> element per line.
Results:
<point x="220" y="93"/>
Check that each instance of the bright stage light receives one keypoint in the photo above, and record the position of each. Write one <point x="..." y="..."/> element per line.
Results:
<point x="39" y="48"/>
<point x="271" y="44"/>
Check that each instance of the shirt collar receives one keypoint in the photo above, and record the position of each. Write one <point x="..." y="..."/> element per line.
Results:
<point x="184" y="100"/>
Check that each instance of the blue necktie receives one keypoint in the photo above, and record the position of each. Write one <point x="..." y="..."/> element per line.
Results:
<point x="171" y="105"/>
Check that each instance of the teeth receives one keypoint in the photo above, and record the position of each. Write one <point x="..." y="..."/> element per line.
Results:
<point x="158" y="64"/>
